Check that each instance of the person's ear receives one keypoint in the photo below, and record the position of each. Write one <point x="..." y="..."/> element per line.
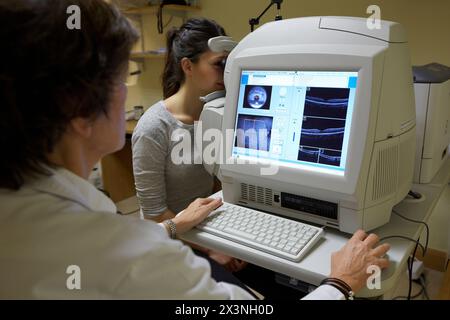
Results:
<point x="186" y="66"/>
<point x="82" y="127"/>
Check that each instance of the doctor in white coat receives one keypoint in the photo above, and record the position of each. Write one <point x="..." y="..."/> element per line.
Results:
<point x="62" y="98"/>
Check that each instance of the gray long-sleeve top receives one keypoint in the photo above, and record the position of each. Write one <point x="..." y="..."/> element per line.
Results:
<point x="161" y="183"/>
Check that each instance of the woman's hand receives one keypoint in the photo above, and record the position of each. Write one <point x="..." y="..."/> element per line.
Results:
<point x="195" y="213"/>
<point x="352" y="262"/>
<point x="229" y="263"/>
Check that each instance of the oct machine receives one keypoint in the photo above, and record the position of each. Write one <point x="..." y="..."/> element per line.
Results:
<point x="432" y="92"/>
<point x="318" y="122"/>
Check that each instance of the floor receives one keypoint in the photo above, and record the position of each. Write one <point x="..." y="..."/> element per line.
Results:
<point x="433" y="283"/>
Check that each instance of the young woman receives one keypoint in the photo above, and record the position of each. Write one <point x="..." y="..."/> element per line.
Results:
<point x="164" y="186"/>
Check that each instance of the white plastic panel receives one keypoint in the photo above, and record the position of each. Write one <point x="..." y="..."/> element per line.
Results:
<point x="388" y="31"/>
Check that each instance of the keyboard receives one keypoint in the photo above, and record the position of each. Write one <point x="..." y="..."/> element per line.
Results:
<point x="279" y="236"/>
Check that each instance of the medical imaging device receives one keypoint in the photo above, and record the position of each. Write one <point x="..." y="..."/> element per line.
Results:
<point x="318" y="122"/>
<point x="432" y="92"/>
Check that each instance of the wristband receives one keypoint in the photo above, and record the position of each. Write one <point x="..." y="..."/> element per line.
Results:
<point x="172" y="227"/>
<point x="342" y="286"/>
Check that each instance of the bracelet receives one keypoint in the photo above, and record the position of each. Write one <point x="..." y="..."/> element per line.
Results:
<point x="342" y="286"/>
<point x="172" y="228"/>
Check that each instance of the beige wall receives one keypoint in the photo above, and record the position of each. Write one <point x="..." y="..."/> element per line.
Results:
<point x="427" y="23"/>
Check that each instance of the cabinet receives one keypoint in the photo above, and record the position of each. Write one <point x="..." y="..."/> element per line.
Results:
<point x="117" y="169"/>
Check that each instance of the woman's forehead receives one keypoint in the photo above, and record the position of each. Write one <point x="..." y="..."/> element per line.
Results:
<point x="214" y="55"/>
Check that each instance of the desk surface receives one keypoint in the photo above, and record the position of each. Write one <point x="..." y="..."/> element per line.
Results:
<point x="316" y="264"/>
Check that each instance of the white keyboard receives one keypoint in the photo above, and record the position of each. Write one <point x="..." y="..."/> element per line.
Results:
<point x="282" y="237"/>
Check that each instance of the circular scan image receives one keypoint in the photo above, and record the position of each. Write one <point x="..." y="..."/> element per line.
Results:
<point x="257" y="97"/>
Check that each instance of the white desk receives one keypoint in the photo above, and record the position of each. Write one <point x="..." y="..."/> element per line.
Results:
<point x="315" y="266"/>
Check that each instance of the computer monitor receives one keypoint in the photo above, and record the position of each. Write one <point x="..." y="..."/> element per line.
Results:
<point x="323" y="120"/>
<point x="299" y="118"/>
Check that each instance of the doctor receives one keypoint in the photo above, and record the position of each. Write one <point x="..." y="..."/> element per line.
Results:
<point x="62" y="97"/>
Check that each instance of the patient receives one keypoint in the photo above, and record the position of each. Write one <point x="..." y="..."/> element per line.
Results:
<point x="62" y="97"/>
<point x="164" y="186"/>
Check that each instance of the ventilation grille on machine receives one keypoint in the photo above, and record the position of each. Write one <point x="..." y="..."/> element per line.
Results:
<point x="256" y="194"/>
<point x="386" y="171"/>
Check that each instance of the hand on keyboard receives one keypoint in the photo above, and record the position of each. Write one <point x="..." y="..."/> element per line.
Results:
<point x="282" y="237"/>
<point x="195" y="213"/>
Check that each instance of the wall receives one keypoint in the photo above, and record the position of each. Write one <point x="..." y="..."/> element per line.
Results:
<point x="427" y="24"/>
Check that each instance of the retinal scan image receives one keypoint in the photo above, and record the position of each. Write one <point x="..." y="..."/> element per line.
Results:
<point x="254" y="132"/>
<point x="257" y="97"/>
<point x="323" y="125"/>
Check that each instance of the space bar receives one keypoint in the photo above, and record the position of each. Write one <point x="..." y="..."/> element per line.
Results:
<point x="240" y="233"/>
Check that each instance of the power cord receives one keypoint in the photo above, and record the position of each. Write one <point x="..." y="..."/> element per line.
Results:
<point x="423" y="290"/>
<point x="424" y="249"/>
<point x="415" y="195"/>
<point x="405" y="238"/>
<point x="410" y="268"/>
<point x="419" y="222"/>
<point x="410" y="260"/>
<point x="159" y="20"/>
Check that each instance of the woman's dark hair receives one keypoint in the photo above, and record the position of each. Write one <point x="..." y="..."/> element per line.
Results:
<point x="51" y="74"/>
<point x="190" y="41"/>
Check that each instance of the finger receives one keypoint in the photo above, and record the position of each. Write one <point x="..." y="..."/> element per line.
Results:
<point x="382" y="263"/>
<point x="205" y="201"/>
<point x="234" y="265"/>
<point x="381" y="250"/>
<point x="359" y="235"/>
<point x="205" y="210"/>
<point x="241" y="264"/>
<point x="234" y="268"/>
<point x="213" y="204"/>
<point x="371" y="240"/>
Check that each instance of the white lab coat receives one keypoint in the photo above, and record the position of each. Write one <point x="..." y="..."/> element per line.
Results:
<point x="56" y="222"/>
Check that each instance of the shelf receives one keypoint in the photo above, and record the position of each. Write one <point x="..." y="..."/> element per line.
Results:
<point x="152" y="9"/>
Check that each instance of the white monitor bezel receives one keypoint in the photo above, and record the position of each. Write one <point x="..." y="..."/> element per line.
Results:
<point x="305" y="58"/>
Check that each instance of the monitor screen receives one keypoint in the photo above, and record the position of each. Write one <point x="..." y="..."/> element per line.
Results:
<point x="300" y="118"/>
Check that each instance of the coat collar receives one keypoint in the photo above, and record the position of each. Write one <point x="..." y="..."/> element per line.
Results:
<point x="65" y="184"/>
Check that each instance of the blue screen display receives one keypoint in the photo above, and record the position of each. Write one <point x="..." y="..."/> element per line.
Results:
<point x="298" y="117"/>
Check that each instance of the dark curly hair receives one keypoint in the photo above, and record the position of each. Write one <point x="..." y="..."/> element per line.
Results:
<point x="50" y="75"/>
<point x="190" y="41"/>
